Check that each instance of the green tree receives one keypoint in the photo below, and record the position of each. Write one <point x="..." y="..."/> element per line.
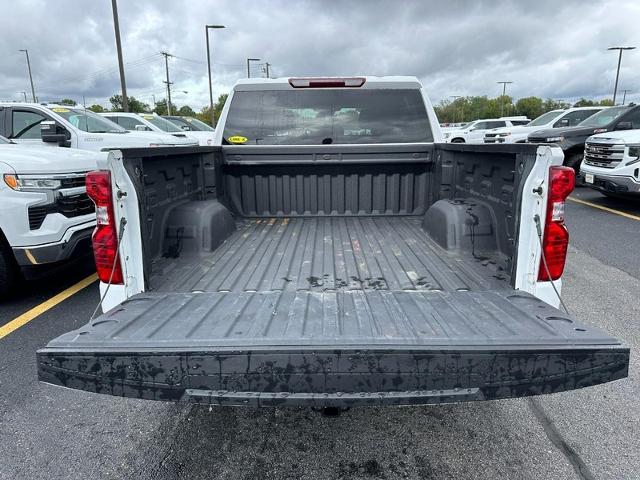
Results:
<point x="205" y="113"/>
<point x="531" y="107"/>
<point x="135" y="106"/>
<point x="161" y="107"/>
<point x="68" y="101"/>
<point x="186" y="111"/>
<point x="97" y="108"/>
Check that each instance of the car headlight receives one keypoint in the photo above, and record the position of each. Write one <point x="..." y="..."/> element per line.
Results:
<point x="554" y="139"/>
<point x="16" y="182"/>
<point x="634" y="152"/>
<point x="505" y="134"/>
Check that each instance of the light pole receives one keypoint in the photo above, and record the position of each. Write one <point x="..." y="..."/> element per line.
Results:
<point x="213" y="115"/>
<point x="25" y="95"/>
<point x="624" y="95"/>
<point x="33" y="90"/>
<point x="620" y="49"/>
<point x="455" y="97"/>
<point x="116" y="27"/>
<point x="249" y="60"/>
<point x="504" y="92"/>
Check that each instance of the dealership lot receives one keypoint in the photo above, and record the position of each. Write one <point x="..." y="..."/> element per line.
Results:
<point x="52" y="432"/>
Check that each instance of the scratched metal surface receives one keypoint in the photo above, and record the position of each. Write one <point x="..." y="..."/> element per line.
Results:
<point x="328" y="253"/>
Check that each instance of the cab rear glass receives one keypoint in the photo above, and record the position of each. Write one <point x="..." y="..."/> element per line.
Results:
<point x="327" y="116"/>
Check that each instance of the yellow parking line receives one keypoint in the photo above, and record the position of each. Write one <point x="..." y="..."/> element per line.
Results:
<point x="29" y="315"/>
<point x="606" y="209"/>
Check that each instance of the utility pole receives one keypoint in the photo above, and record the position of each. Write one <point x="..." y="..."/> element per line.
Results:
<point x="211" y="112"/>
<point x="249" y="60"/>
<point x="455" y="97"/>
<point x="504" y="91"/>
<point x="624" y="95"/>
<point x="620" y="49"/>
<point x="266" y="66"/>
<point x="166" y="65"/>
<point x="33" y="90"/>
<point x="123" y="85"/>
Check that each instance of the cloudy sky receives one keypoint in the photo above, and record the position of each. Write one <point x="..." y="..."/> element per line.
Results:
<point x="547" y="48"/>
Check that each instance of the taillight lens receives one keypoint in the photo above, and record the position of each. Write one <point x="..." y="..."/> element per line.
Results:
<point x="105" y="235"/>
<point x="555" y="240"/>
<point x="352" y="82"/>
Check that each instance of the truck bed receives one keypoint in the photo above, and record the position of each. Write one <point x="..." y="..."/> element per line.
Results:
<point x="320" y="254"/>
<point x="331" y="276"/>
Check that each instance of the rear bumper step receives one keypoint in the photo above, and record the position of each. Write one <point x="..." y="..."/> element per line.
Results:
<point x="336" y="377"/>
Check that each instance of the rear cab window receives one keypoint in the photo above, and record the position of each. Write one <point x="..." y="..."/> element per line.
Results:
<point x="327" y="116"/>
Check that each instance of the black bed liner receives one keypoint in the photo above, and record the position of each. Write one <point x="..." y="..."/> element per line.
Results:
<point x="329" y="253"/>
<point x="335" y="296"/>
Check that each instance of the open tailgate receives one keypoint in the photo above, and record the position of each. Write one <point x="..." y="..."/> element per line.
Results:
<point x="332" y="348"/>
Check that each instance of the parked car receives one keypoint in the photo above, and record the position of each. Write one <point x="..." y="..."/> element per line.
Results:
<point x="197" y="129"/>
<point x="474" y="131"/>
<point x="46" y="217"/>
<point x="154" y="124"/>
<point x="572" y="139"/>
<point x="569" y="117"/>
<point x="72" y="127"/>
<point x="333" y="258"/>
<point x="611" y="162"/>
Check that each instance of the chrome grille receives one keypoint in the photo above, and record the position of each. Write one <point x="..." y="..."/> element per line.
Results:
<point x="603" y="154"/>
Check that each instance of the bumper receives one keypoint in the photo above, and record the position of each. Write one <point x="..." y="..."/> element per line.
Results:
<point x="322" y="378"/>
<point x="77" y="243"/>
<point x="612" y="183"/>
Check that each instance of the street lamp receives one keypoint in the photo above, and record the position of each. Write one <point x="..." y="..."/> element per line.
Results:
<point x="504" y="91"/>
<point x="33" y="90"/>
<point x="249" y="60"/>
<point x="25" y="95"/>
<point x="615" y="89"/>
<point x="455" y="97"/>
<point x="213" y="115"/>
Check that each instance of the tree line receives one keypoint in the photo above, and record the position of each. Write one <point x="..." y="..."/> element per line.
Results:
<point x="466" y="109"/>
<point x="160" y="108"/>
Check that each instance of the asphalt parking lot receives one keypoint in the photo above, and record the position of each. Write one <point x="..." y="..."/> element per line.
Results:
<point x="49" y="432"/>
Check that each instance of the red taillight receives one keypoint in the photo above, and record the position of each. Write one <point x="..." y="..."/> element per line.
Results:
<point x="105" y="236"/>
<point x="352" y="82"/>
<point x="555" y="239"/>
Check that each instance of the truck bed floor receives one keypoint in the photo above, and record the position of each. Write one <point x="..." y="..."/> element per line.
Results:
<point x="325" y="254"/>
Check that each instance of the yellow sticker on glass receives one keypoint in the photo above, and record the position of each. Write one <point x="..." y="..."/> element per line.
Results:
<point x="237" y="139"/>
<point x="60" y="110"/>
<point x="148" y="117"/>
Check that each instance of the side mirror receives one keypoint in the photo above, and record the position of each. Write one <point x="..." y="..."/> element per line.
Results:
<point x="141" y="128"/>
<point x="624" y="126"/>
<point x="51" y="132"/>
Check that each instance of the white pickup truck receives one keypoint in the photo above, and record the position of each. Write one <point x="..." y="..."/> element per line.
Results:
<point x="46" y="217"/>
<point x="473" y="132"/>
<point x="611" y="162"/>
<point x="569" y="117"/>
<point x="327" y="250"/>
<point x="72" y="127"/>
<point x="153" y="124"/>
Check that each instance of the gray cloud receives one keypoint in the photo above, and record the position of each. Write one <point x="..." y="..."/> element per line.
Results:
<point x="548" y="48"/>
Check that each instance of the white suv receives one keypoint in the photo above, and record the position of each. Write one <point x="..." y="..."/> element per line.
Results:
<point x="474" y="132"/>
<point x="553" y="119"/>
